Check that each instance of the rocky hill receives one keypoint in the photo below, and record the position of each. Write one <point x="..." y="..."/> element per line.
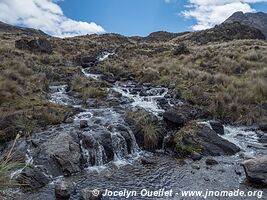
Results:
<point x="6" y="28"/>
<point x="256" y="20"/>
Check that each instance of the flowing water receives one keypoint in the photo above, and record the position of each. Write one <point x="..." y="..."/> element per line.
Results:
<point x="125" y="170"/>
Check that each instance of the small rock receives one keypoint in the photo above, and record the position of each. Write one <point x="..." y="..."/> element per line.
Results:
<point x="217" y="127"/>
<point x="64" y="189"/>
<point x="83" y="124"/>
<point x="145" y="161"/>
<point x="69" y="120"/>
<point x="238" y="172"/>
<point x="263" y="139"/>
<point x="206" y="179"/>
<point x="197" y="167"/>
<point x="196" y="156"/>
<point x="211" y="161"/>
<point x="89" y="194"/>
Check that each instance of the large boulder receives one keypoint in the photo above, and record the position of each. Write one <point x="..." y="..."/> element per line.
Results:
<point x="256" y="170"/>
<point x="66" y="152"/>
<point x="182" y="114"/>
<point x="32" y="177"/>
<point x="199" y="138"/>
<point x="40" y="45"/>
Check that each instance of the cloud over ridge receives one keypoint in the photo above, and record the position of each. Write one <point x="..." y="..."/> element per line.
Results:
<point x="211" y="12"/>
<point x="45" y="15"/>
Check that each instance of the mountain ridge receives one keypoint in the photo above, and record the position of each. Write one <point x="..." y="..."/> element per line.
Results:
<point x="257" y="20"/>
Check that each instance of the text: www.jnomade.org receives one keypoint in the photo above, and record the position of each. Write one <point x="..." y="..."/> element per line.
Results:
<point x="170" y="193"/>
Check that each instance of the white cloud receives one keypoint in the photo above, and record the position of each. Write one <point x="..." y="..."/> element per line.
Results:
<point x="211" y="12"/>
<point x="45" y="15"/>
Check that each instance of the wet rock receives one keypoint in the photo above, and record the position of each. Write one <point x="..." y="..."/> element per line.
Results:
<point x="217" y="127"/>
<point x="256" y="170"/>
<point x="40" y="45"/>
<point x="89" y="194"/>
<point x="196" y="156"/>
<point x="179" y="115"/>
<point x="197" y="167"/>
<point x="69" y="120"/>
<point x="64" y="189"/>
<point x="211" y="161"/>
<point x="147" y="161"/>
<point x="83" y="124"/>
<point x="32" y="177"/>
<point x="263" y="139"/>
<point x="238" y="172"/>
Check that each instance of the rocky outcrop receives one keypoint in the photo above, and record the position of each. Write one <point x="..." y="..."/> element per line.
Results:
<point x="255" y="20"/>
<point x="21" y="30"/>
<point x="40" y="45"/>
<point x="256" y="170"/>
<point x="182" y="114"/>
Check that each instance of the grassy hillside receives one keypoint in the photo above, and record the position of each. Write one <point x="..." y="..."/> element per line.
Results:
<point x="227" y="78"/>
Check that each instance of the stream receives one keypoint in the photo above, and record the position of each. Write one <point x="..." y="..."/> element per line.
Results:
<point x="111" y="156"/>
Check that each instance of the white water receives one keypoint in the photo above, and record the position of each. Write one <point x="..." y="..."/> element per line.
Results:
<point x="149" y="103"/>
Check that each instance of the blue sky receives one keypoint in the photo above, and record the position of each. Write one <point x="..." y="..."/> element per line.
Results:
<point x="66" y="18"/>
<point x="130" y="17"/>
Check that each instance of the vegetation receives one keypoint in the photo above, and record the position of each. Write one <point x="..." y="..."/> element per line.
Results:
<point x="149" y="128"/>
<point x="181" y="146"/>
<point x="6" y="167"/>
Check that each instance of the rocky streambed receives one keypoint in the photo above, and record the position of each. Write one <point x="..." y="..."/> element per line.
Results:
<point x="100" y="147"/>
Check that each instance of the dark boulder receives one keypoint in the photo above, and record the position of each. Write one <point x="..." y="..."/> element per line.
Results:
<point x="211" y="161"/>
<point x="201" y="139"/>
<point x="32" y="178"/>
<point x="217" y="127"/>
<point x="40" y="45"/>
<point x="256" y="170"/>
<point x="182" y="114"/>
<point x="263" y="127"/>
<point x="83" y="124"/>
<point x="63" y="190"/>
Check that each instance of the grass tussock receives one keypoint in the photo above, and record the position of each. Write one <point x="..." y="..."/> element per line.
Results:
<point x="149" y="128"/>
<point x="7" y="166"/>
